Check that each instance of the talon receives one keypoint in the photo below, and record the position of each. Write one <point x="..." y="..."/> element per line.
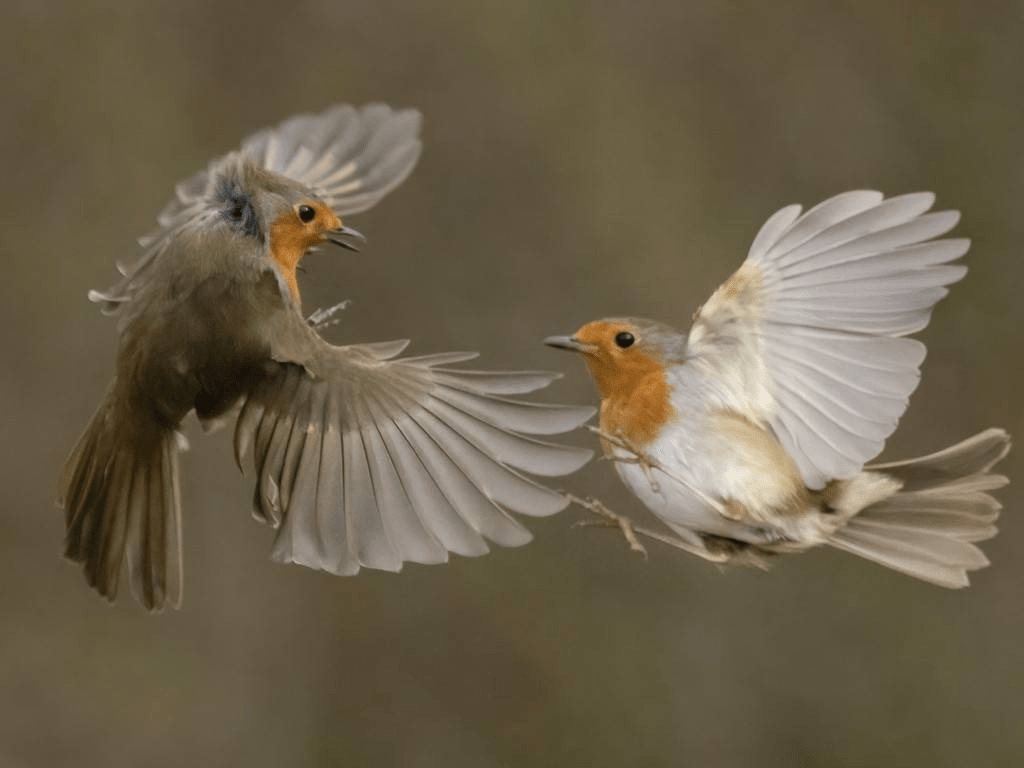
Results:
<point x="634" y="543"/>
<point x="697" y="546"/>
<point x="323" y="318"/>
<point x="611" y="520"/>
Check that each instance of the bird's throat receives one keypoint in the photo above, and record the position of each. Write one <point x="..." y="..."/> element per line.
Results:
<point x="289" y="242"/>
<point x="635" y="404"/>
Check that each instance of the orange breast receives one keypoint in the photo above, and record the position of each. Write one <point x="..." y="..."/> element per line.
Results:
<point x="637" y="407"/>
<point x="289" y="241"/>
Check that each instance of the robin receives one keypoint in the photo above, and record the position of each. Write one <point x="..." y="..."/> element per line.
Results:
<point x="748" y="436"/>
<point x="361" y="458"/>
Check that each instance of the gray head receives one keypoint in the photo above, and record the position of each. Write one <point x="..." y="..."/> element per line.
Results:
<point x="263" y="205"/>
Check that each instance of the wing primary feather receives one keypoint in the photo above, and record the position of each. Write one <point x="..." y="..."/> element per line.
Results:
<point x="771" y="230"/>
<point x="466" y="498"/>
<point x="860" y="394"/>
<point x="333" y="511"/>
<point x="441" y="358"/>
<point x="854" y="264"/>
<point x="269" y="438"/>
<point x="432" y="506"/>
<point x="534" y="456"/>
<point x="297" y="539"/>
<point x="824" y="215"/>
<point x="495" y="382"/>
<point x="886" y="215"/>
<point x="497" y="482"/>
<point x="251" y="415"/>
<point x="296" y="442"/>
<point x="411" y="538"/>
<point x="516" y="416"/>
<point x="269" y="469"/>
<point x="371" y="544"/>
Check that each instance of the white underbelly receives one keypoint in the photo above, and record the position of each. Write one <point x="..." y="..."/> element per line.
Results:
<point x="720" y="468"/>
<point x="677" y="499"/>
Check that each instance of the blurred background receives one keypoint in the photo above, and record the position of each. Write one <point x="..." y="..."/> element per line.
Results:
<point x="581" y="160"/>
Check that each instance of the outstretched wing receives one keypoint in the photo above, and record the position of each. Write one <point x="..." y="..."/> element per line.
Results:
<point x="807" y="336"/>
<point x="349" y="157"/>
<point x="366" y="460"/>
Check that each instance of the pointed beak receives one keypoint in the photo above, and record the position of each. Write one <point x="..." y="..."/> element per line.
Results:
<point x="335" y="236"/>
<point x="570" y="343"/>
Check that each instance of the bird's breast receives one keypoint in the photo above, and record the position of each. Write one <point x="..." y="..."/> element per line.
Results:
<point x="638" y="410"/>
<point x="288" y="244"/>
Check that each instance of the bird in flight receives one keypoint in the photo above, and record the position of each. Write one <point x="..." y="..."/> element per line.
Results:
<point x="749" y="435"/>
<point x="362" y="458"/>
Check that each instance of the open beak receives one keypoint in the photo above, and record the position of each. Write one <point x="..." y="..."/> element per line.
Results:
<point x="570" y="343"/>
<point x="335" y="236"/>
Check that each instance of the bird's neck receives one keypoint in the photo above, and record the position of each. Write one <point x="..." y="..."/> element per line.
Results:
<point x="636" y="406"/>
<point x="288" y="244"/>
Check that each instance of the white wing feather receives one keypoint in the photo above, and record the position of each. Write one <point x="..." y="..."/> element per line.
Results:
<point x="363" y="460"/>
<point x="807" y="335"/>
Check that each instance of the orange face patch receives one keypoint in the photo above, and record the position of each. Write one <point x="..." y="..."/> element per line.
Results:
<point x="290" y="238"/>
<point x="634" y="389"/>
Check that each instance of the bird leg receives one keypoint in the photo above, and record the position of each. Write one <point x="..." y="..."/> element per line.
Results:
<point x="632" y="532"/>
<point x="323" y="318"/>
<point x="610" y="520"/>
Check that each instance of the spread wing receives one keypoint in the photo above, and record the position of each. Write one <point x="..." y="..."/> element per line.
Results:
<point x="807" y="336"/>
<point x="349" y="157"/>
<point x="366" y="460"/>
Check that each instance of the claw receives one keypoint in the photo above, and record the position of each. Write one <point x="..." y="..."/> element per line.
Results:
<point x="632" y="533"/>
<point x="322" y="318"/>
<point x="611" y="520"/>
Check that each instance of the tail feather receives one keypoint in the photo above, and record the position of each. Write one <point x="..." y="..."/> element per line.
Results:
<point x="972" y="457"/>
<point x="927" y="529"/>
<point x="120" y="497"/>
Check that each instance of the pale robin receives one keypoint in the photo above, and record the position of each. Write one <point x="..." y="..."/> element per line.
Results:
<point x="748" y="436"/>
<point x="361" y="458"/>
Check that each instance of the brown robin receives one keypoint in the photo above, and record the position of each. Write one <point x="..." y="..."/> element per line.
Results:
<point x="362" y="458"/>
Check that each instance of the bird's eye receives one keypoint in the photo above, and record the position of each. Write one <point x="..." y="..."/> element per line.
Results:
<point x="306" y="214"/>
<point x="624" y="339"/>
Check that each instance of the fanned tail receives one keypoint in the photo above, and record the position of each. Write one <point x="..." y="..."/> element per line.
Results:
<point x="119" y="492"/>
<point x="927" y="529"/>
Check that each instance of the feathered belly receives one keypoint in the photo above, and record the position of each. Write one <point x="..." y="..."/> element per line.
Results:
<point x="718" y="473"/>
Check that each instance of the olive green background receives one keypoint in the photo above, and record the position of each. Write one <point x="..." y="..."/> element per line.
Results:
<point x="581" y="160"/>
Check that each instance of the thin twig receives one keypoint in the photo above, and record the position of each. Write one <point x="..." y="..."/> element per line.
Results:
<point x="647" y="464"/>
<point x="633" y="532"/>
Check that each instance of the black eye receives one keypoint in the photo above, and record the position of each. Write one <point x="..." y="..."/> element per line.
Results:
<point x="306" y="214"/>
<point x="624" y="339"/>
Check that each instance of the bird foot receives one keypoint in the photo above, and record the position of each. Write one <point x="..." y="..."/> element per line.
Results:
<point x="696" y="546"/>
<point x="609" y="520"/>
<point x="323" y="318"/>
<point x="693" y="544"/>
